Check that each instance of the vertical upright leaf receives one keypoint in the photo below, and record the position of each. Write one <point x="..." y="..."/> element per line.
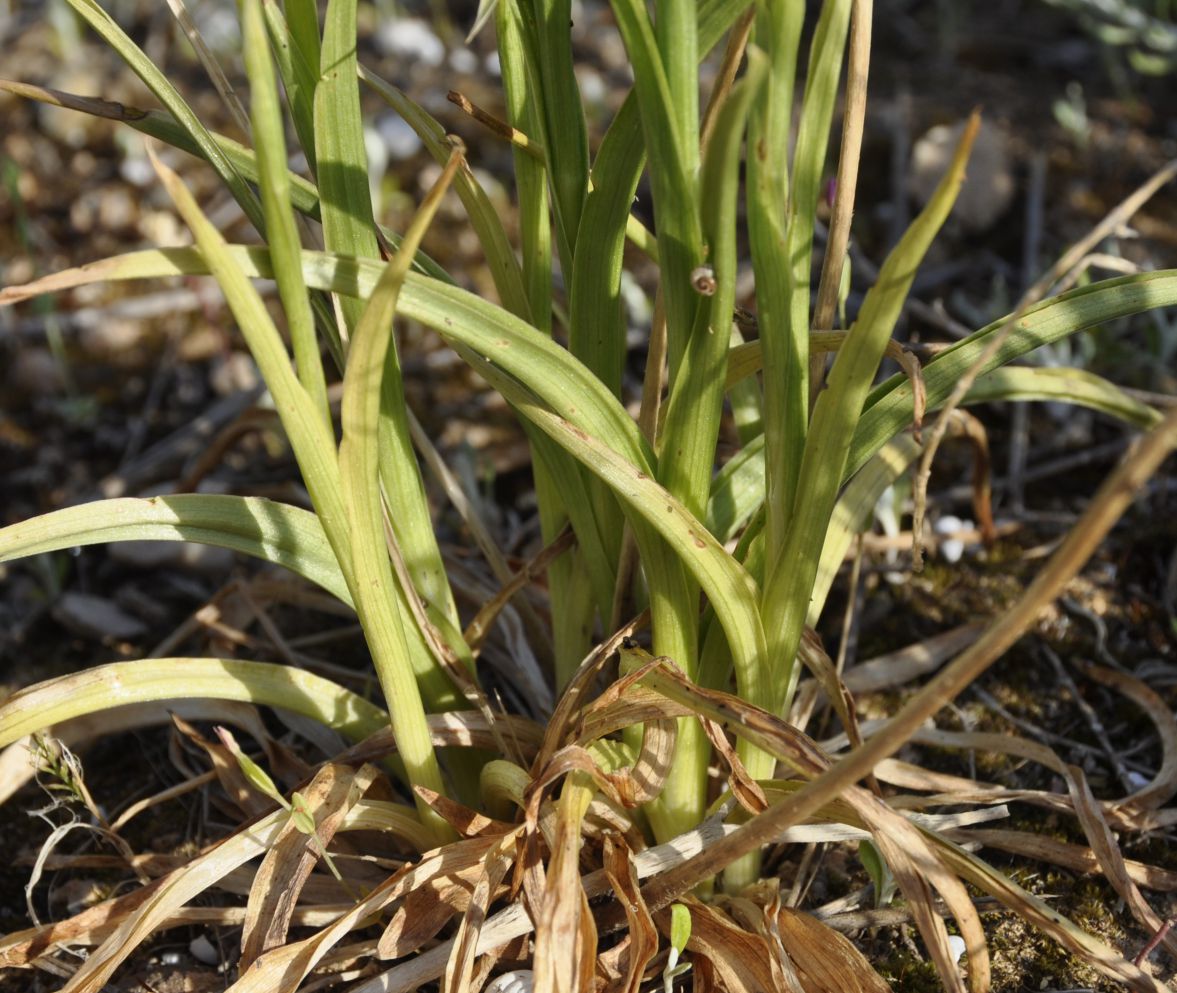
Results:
<point x="285" y="246"/>
<point x="375" y="589"/>
<point x="785" y="347"/>
<point x="345" y="203"/>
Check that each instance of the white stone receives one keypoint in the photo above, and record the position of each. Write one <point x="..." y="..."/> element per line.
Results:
<point x="989" y="182"/>
<point x="411" y="38"/>
<point x="399" y="138"/>
<point x="201" y="949"/>
<point x="96" y="617"/>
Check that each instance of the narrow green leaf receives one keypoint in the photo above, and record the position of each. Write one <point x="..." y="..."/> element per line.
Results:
<point x="696" y="397"/>
<point x="161" y="86"/>
<point x="565" y="134"/>
<point x="786" y="346"/>
<point x="535" y="227"/>
<point x="790" y="577"/>
<point x="300" y="32"/>
<point x="276" y="532"/>
<point x="676" y="211"/>
<point x="282" y="232"/>
<point x="853" y="511"/>
<point x="370" y="360"/>
<point x="263" y="683"/>
<point x="1072" y="386"/>
<point x="676" y="24"/>
<point x="485" y="219"/>
<point x="311" y="440"/>
<point x="1076" y="310"/>
<point x="737" y="491"/>
<point x="345" y="202"/>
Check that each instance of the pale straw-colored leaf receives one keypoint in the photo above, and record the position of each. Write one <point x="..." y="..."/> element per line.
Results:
<point x="289" y="862"/>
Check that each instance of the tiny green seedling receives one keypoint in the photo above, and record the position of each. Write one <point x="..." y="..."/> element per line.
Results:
<point x="680" y="934"/>
<point x="879" y="873"/>
<point x="300" y="813"/>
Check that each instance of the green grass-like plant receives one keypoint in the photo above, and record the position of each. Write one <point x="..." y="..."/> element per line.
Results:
<point x="650" y="515"/>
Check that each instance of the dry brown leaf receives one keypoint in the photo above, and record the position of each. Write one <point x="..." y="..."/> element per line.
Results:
<point x="826" y="960"/>
<point x="288" y="864"/>
<point x="577" y="691"/>
<point x="902" y="844"/>
<point x="642" y="943"/>
<point x="1071" y="937"/>
<point x="284" y="967"/>
<point x="437" y="897"/>
<point x="565" y="934"/>
<point x="1077" y="858"/>
<point x="169" y="894"/>
<point x="459" y="970"/>
<point x="1164" y="783"/>
<point x="739" y="958"/>
<point x="248" y="800"/>
<point x="905" y="664"/>
<point x="467" y="822"/>
<point x="1103" y="843"/>
<point x="744" y="788"/>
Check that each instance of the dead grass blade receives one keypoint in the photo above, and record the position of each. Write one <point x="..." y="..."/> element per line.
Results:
<point x="1164" y="784"/>
<point x="171" y="893"/>
<point x="288" y="864"/>
<point x="467" y="822"/>
<point x="902" y="845"/>
<point x="743" y="787"/>
<point x="641" y="943"/>
<point x="513" y="921"/>
<point x="826" y="960"/>
<point x="1071" y="937"/>
<point x="902" y="666"/>
<point x="741" y="960"/>
<point x="1076" y="858"/>
<point x="1111" y="860"/>
<point x="443" y="890"/>
<point x="285" y="967"/>
<point x="459" y="970"/>
<point x="559" y="728"/>
<point x="813" y="656"/>
<point x="246" y="798"/>
<point x="565" y="934"/>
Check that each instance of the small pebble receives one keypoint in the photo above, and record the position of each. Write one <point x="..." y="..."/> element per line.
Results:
<point x="201" y="949"/>
<point x="464" y="61"/>
<point x="951" y="549"/>
<point x="399" y="138"/>
<point x="411" y="38"/>
<point x="956" y="943"/>
<point x="989" y="185"/>
<point x="170" y="958"/>
<point x="96" y="617"/>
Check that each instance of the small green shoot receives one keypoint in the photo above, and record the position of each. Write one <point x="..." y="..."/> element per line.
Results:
<point x="879" y="872"/>
<point x="300" y="813"/>
<point x="680" y="934"/>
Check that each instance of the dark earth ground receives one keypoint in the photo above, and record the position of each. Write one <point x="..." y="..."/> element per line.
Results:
<point x="91" y="386"/>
